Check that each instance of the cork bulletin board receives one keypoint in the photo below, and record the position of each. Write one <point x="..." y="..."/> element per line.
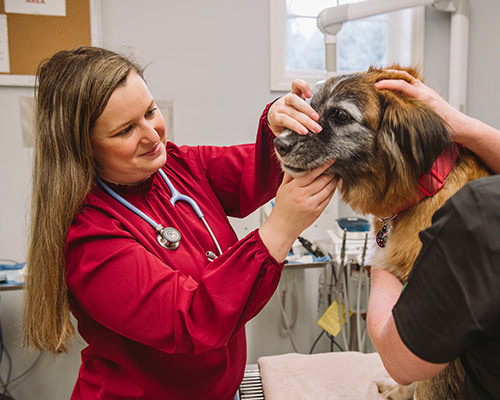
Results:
<point x="32" y="38"/>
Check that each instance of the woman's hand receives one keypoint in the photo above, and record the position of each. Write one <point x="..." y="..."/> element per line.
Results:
<point x="416" y="89"/>
<point x="293" y="112"/>
<point x="299" y="202"/>
<point x="474" y="134"/>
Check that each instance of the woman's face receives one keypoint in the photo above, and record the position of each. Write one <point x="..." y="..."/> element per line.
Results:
<point x="128" y="139"/>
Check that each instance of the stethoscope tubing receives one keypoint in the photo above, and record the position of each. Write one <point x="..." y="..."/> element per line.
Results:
<point x="127" y="204"/>
<point x="212" y="235"/>
<point x="175" y="197"/>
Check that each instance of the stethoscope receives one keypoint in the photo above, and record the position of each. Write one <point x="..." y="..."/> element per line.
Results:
<point x="168" y="237"/>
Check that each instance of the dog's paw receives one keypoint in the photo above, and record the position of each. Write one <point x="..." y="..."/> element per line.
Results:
<point x="388" y="389"/>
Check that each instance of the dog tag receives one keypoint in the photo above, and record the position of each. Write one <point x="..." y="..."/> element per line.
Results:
<point x="384" y="231"/>
<point x="382" y="236"/>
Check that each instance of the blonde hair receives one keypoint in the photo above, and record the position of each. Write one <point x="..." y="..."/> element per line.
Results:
<point x="73" y="89"/>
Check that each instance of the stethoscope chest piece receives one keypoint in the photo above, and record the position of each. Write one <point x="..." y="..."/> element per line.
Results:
<point x="169" y="238"/>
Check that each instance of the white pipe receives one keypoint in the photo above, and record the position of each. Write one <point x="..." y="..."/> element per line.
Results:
<point x="329" y="18"/>
<point x="331" y="54"/>
<point x="330" y="21"/>
<point x="459" y="46"/>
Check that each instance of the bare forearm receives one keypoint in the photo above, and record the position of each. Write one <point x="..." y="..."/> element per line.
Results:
<point x="299" y="202"/>
<point x="275" y="238"/>
<point x="481" y="139"/>
<point x="404" y="366"/>
<point x="384" y="295"/>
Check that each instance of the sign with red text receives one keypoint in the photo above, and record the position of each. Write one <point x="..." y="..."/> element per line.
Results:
<point x="36" y="7"/>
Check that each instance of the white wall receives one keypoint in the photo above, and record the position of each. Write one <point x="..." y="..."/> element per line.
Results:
<point x="212" y="59"/>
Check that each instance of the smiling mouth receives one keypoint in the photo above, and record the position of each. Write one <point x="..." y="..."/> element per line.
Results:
<point x="153" y="151"/>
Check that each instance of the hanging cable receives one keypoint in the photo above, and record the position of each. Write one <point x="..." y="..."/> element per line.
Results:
<point x="285" y="320"/>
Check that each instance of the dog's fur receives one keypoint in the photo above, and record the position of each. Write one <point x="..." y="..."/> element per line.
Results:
<point x="383" y="142"/>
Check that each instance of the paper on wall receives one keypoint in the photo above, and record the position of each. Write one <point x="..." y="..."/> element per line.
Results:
<point x="37" y="7"/>
<point x="4" y="45"/>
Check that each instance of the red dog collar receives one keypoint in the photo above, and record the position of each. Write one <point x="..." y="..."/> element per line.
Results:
<point x="428" y="185"/>
<point x="433" y="181"/>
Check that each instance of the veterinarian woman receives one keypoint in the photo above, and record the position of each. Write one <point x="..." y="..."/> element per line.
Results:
<point x="450" y="307"/>
<point x="163" y="318"/>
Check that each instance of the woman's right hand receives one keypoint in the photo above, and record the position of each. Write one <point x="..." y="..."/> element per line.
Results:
<point x="299" y="202"/>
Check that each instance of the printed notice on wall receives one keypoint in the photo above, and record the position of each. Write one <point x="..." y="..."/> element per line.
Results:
<point x="4" y="45"/>
<point x="37" y="7"/>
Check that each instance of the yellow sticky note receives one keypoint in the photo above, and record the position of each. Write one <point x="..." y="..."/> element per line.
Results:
<point x="330" y="320"/>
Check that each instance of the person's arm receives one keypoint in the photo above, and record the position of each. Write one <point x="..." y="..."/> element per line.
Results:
<point x="299" y="202"/>
<point x="477" y="136"/>
<point x="404" y="366"/>
<point x="177" y="302"/>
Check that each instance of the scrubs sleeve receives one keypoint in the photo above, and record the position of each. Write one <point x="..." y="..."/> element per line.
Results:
<point x="126" y="288"/>
<point x="452" y="291"/>
<point x="243" y="177"/>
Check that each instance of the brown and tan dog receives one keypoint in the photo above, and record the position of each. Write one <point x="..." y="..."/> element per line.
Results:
<point x="396" y="161"/>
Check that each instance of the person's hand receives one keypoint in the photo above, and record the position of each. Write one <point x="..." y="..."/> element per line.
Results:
<point x="293" y="112"/>
<point x="299" y="202"/>
<point x="416" y="89"/>
<point x="477" y="136"/>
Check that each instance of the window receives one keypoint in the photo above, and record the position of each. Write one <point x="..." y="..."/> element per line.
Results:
<point x="298" y="50"/>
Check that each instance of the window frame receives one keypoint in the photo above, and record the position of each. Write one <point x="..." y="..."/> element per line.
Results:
<point x="281" y="78"/>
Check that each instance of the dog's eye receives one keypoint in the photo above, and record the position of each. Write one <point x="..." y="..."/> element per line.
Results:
<point x="340" y="116"/>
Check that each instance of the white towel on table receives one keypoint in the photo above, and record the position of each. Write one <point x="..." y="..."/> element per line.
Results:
<point x="326" y="376"/>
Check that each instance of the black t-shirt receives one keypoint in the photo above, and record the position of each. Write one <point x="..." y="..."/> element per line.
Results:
<point x="451" y="305"/>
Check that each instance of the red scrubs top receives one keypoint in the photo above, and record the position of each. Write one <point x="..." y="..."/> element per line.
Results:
<point x="169" y="324"/>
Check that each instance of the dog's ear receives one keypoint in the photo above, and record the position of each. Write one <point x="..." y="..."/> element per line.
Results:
<point x="411" y="134"/>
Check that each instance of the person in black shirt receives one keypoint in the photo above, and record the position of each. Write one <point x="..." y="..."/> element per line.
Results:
<point x="450" y="307"/>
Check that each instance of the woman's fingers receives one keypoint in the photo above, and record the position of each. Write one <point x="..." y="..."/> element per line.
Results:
<point x="307" y="179"/>
<point x="300" y="105"/>
<point x="299" y="115"/>
<point x="293" y="112"/>
<point x="399" y="85"/>
<point x="301" y="88"/>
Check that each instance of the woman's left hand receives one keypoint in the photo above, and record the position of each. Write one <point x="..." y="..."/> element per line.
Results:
<point x="293" y="112"/>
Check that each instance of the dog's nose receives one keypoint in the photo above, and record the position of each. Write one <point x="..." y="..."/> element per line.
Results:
<point x="284" y="144"/>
